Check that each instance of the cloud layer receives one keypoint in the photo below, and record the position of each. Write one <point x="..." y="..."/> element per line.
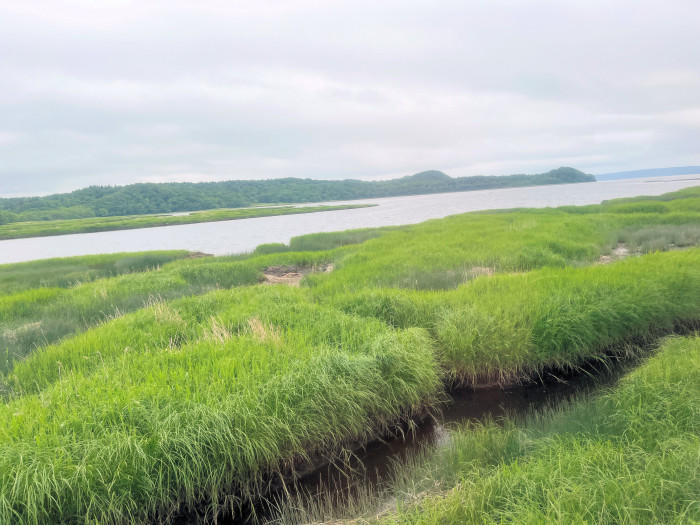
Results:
<point x="114" y="92"/>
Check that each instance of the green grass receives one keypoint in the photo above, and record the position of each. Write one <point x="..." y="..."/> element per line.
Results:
<point x="17" y="230"/>
<point x="34" y="318"/>
<point x="628" y="456"/>
<point x="134" y="390"/>
<point x="505" y="327"/>
<point x="446" y="253"/>
<point x="145" y="431"/>
<point x="660" y="238"/>
<point x="71" y="271"/>
<point x="324" y="241"/>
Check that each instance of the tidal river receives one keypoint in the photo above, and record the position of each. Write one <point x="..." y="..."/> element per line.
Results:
<point x="227" y="237"/>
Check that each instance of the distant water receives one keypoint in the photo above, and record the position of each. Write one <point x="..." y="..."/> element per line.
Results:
<point x="227" y="237"/>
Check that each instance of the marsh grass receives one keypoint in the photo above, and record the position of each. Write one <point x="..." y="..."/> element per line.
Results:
<point x="189" y="388"/>
<point x="164" y="428"/>
<point x="34" y="318"/>
<point x="508" y="327"/>
<point x="31" y="320"/>
<point x="331" y="240"/>
<point x="441" y="254"/>
<point x="71" y="271"/>
<point x="17" y="230"/>
<point x="444" y="253"/>
<point x="627" y="456"/>
<point x="515" y="326"/>
<point x="660" y="238"/>
<point x="313" y="242"/>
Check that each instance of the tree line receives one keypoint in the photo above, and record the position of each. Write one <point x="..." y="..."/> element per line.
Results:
<point x="148" y="198"/>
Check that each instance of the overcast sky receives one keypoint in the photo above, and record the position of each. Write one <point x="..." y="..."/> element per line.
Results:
<point x="114" y="92"/>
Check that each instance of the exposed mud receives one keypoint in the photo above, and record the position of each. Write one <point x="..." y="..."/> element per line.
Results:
<point x="365" y="471"/>
<point x="477" y="271"/>
<point x="619" y="252"/>
<point x="198" y="255"/>
<point x="369" y="468"/>
<point x="292" y="275"/>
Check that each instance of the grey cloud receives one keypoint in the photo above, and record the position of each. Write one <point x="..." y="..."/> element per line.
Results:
<point x="118" y="92"/>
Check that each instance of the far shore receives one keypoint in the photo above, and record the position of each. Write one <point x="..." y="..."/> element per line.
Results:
<point x="22" y="230"/>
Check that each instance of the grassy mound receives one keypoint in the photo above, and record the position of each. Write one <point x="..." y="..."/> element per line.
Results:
<point x="509" y="326"/>
<point x="629" y="456"/>
<point x="150" y="429"/>
<point x="156" y="385"/>
<point x="37" y="317"/>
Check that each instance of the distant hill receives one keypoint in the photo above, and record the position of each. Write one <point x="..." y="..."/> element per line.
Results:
<point x="137" y="199"/>
<point x="653" y="172"/>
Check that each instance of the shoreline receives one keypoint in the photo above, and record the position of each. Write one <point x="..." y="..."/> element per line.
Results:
<point x="14" y="231"/>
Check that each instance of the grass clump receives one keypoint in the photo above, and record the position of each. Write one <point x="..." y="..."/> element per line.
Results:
<point x="72" y="271"/>
<point x="444" y="253"/>
<point x="272" y="247"/>
<point x="331" y="240"/>
<point x="507" y="327"/>
<point x="188" y="387"/>
<point x="314" y="242"/>
<point x="628" y="456"/>
<point x="513" y="326"/>
<point x="165" y="428"/>
<point x="660" y="238"/>
<point x="34" y="318"/>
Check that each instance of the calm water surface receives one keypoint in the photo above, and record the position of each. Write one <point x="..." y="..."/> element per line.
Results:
<point x="227" y="237"/>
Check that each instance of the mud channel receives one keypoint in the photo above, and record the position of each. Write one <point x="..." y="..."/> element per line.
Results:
<point x="370" y="469"/>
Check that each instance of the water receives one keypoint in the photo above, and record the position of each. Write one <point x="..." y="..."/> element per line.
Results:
<point x="227" y="237"/>
<point x="368" y="472"/>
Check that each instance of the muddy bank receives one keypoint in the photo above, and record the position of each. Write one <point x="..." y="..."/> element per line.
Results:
<point x="292" y="475"/>
<point x="367" y="473"/>
<point x="292" y="275"/>
<point x="366" y="470"/>
<point x="619" y="252"/>
<point x="370" y="470"/>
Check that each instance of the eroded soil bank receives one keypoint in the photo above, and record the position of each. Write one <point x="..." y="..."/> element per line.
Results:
<point x="369" y="469"/>
<point x="366" y="472"/>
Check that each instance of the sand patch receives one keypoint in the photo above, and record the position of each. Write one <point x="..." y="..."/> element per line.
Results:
<point x="292" y="275"/>
<point x="198" y="255"/>
<point x="619" y="252"/>
<point x="476" y="271"/>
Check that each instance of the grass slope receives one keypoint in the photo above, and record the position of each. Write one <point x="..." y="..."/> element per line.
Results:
<point x="510" y="326"/>
<point x="71" y="271"/>
<point x="154" y="427"/>
<point x="135" y="396"/>
<point x="628" y="456"/>
<point x="37" y="317"/>
<point x="445" y="253"/>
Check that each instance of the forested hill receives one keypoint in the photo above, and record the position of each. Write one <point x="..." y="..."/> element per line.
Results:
<point x="135" y="199"/>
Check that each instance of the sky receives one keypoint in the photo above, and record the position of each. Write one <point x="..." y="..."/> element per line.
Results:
<point x="115" y="92"/>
